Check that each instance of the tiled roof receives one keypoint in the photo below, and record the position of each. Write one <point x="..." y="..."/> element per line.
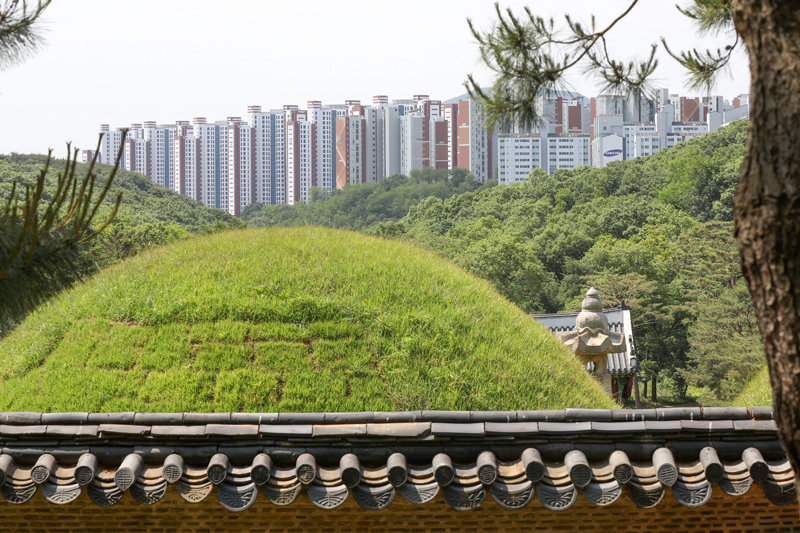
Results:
<point x="512" y="457"/>
<point x="619" y="321"/>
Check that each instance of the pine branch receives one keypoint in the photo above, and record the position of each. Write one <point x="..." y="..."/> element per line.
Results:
<point x="41" y="246"/>
<point x="702" y="68"/>
<point x="530" y="57"/>
<point x="19" y="33"/>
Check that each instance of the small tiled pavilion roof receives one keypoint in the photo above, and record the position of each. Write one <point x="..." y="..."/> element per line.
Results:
<point x="512" y="457"/>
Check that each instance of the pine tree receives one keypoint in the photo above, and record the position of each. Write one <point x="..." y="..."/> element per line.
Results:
<point x="42" y="240"/>
<point x="530" y="56"/>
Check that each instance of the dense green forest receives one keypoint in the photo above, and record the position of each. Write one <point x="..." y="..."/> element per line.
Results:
<point x="148" y="215"/>
<point x="361" y="207"/>
<point x="655" y="232"/>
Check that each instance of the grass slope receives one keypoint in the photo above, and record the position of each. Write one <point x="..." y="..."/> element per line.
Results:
<point x="302" y="319"/>
<point x="757" y="392"/>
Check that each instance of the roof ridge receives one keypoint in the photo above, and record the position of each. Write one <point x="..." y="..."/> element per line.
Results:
<point x="23" y="418"/>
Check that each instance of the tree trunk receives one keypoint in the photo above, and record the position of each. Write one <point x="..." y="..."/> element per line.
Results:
<point x="767" y="204"/>
<point x="655" y="392"/>
<point x="645" y="382"/>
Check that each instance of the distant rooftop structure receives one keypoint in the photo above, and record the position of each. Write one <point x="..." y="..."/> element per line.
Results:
<point x="603" y="339"/>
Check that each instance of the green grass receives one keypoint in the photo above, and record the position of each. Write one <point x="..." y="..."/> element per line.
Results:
<point x="757" y="392"/>
<point x="301" y="319"/>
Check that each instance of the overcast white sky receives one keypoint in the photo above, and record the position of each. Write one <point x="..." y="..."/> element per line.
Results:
<point x="122" y="61"/>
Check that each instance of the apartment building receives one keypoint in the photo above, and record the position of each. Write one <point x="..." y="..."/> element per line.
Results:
<point x="279" y="156"/>
<point x="518" y="155"/>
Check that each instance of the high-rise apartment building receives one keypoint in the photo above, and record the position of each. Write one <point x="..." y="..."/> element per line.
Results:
<point x="518" y="154"/>
<point x="565" y="152"/>
<point x="411" y="142"/>
<point x="186" y="157"/>
<point x="212" y="143"/>
<point x="300" y="140"/>
<point x="279" y="156"/>
<point x="241" y="165"/>
<point x="350" y="151"/>
<point x="475" y="149"/>
<point x="323" y="120"/>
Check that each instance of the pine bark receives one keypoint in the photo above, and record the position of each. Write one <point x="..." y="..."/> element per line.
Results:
<point x="767" y="203"/>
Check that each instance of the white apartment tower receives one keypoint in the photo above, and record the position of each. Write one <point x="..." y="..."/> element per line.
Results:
<point x="159" y="145"/>
<point x="186" y="172"/>
<point x="411" y="143"/>
<point x="241" y="165"/>
<point x="392" y="114"/>
<point x="323" y="120"/>
<point x="299" y="156"/>
<point x="213" y="155"/>
<point x="517" y="156"/>
<point x="109" y="145"/>
<point x="565" y="152"/>
<point x="374" y="144"/>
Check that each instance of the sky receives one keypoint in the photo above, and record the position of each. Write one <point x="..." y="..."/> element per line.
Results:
<point x="118" y="61"/>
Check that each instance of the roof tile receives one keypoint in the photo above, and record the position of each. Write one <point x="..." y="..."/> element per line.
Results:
<point x="123" y="429"/>
<point x="338" y="430"/>
<point x="587" y="414"/>
<point x="679" y="413"/>
<point x="397" y="416"/>
<point x="286" y="429"/>
<point x="111" y="418"/>
<point x="399" y="429"/>
<point x="553" y="415"/>
<point x="349" y="418"/>
<point x="72" y="430"/>
<point x="232" y="430"/>
<point x="505" y="428"/>
<point x="755" y="425"/>
<point x="725" y="413"/>
<point x="22" y="430"/>
<point x="446" y="416"/>
<point x="301" y="418"/>
<point x="662" y="425"/>
<point x="618" y="427"/>
<point x="65" y="418"/>
<point x="177" y="431"/>
<point x="20" y="417"/>
<point x="707" y="425"/>
<point x="633" y="414"/>
<point x="446" y="428"/>
<point x="564" y="427"/>
<point x="206" y="418"/>
<point x="148" y="419"/>
<point x="493" y="416"/>
<point x="762" y="412"/>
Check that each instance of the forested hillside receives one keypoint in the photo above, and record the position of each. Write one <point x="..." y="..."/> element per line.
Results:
<point x="655" y="232"/>
<point x="148" y="215"/>
<point x="360" y="207"/>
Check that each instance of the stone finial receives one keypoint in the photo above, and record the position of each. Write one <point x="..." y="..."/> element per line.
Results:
<point x="591" y="316"/>
<point x="591" y="335"/>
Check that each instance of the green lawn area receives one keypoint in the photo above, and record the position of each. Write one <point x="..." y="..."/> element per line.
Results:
<point x="757" y="392"/>
<point x="286" y="319"/>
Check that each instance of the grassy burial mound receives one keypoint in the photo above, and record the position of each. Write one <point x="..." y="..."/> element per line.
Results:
<point x="302" y="319"/>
